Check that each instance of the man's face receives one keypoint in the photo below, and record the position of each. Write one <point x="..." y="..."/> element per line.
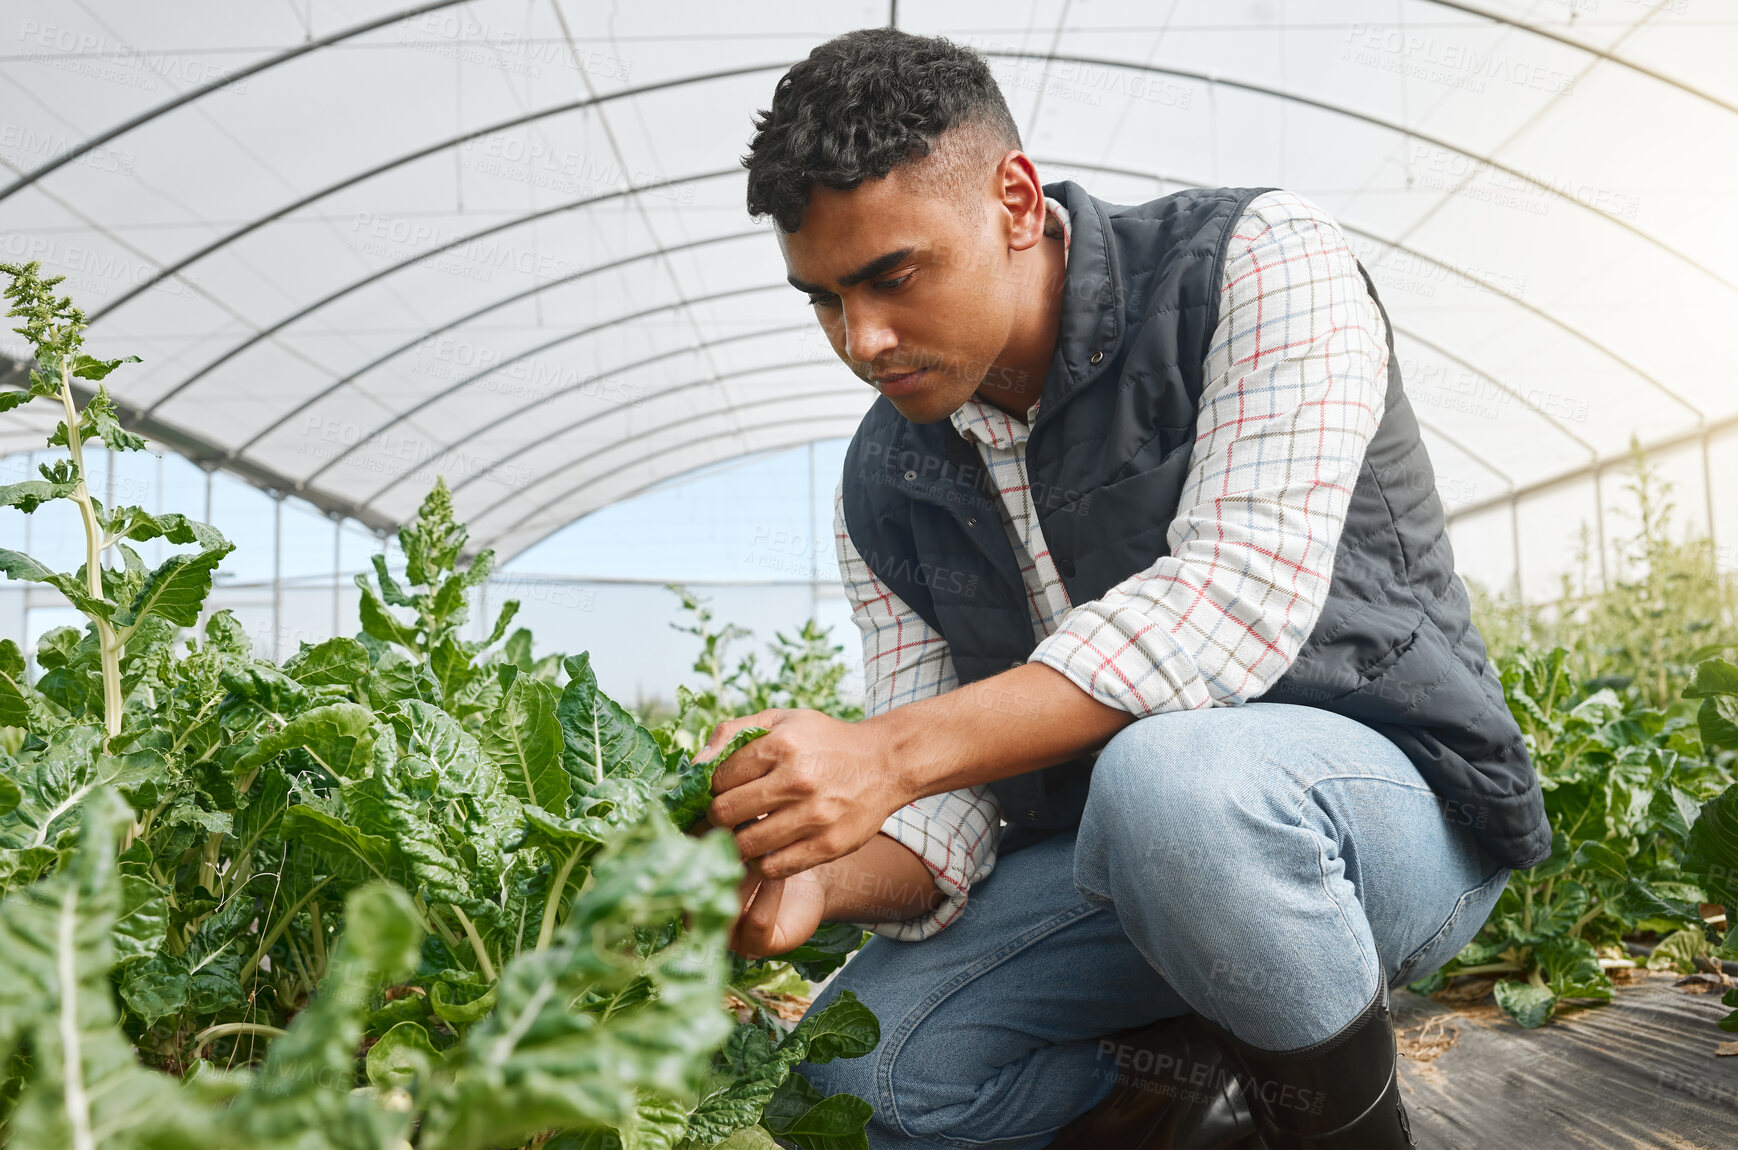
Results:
<point x="912" y="287"/>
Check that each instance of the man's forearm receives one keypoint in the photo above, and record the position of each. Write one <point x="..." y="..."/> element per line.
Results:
<point x="1029" y="717"/>
<point x="880" y="881"/>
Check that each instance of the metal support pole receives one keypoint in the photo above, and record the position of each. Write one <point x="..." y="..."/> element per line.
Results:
<point x="1708" y="496"/>
<point x="1515" y="541"/>
<point x="161" y="544"/>
<point x="209" y="472"/>
<point x="24" y="587"/>
<point x="1599" y="523"/>
<point x="277" y="573"/>
<point x="483" y="620"/>
<point x="337" y="573"/>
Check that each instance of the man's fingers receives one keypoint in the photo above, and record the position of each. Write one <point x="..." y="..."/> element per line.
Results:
<point x="752" y="799"/>
<point x="770" y="834"/>
<point x="755" y="934"/>
<point x="724" y="731"/>
<point x="750" y="763"/>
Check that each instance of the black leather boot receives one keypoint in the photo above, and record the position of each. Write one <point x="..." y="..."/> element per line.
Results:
<point x="1175" y="1090"/>
<point x="1342" y="1092"/>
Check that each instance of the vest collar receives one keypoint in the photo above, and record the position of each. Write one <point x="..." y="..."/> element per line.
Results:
<point x="1092" y="299"/>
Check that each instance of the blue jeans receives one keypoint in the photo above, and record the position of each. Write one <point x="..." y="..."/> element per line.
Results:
<point x="1260" y="865"/>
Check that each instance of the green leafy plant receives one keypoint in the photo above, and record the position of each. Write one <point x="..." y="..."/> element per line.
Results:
<point x="1625" y="788"/>
<point x="404" y="888"/>
<point x="131" y="608"/>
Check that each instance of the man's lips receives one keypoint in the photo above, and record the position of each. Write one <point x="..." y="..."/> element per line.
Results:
<point x="901" y="383"/>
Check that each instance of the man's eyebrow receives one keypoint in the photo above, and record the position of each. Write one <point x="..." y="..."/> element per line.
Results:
<point x="851" y="279"/>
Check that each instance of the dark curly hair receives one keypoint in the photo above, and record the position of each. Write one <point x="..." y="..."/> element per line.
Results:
<point x="861" y="105"/>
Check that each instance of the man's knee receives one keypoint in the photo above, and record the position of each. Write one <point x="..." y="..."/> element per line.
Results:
<point x="1176" y="771"/>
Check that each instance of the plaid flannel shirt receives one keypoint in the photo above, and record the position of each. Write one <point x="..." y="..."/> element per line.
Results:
<point x="1296" y="377"/>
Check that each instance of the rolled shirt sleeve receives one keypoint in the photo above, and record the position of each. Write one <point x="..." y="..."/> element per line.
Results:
<point x="1296" y="378"/>
<point x="905" y="659"/>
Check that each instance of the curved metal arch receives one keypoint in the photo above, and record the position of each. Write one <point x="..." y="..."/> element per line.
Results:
<point x="1573" y="332"/>
<point x="1546" y="416"/>
<point x="193" y="94"/>
<point x="466" y="318"/>
<point x="1399" y="329"/>
<point x="1202" y="77"/>
<point x="479" y="432"/>
<point x="373" y="277"/>
<point x="686" y="445"/>
<point x="689" y="385"/>
<point x="1376" y="121"/>
<point x="556" y="434"/>
<point x="410" y="157"/>
<point x="540" y="348"/>
<point x="1478" y="460"/>
<point x="1608" y="57"/>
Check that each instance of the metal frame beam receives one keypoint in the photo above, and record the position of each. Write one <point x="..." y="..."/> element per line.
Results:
<point x="204" y="90"/>
<point x="476" y="313"/>
<point x="366" y="174"/>
<point x="373" y="277"/>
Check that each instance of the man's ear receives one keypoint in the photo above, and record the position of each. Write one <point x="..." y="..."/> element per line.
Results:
<point x="1022" y="199"/>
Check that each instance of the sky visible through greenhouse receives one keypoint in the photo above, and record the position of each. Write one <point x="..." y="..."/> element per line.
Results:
<point x="359" y="243"/>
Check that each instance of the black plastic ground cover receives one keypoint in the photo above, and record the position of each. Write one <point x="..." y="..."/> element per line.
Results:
<point x="1638" y="1072"/>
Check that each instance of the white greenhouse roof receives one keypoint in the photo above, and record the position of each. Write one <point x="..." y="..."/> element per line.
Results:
<point x="358" y="242"/>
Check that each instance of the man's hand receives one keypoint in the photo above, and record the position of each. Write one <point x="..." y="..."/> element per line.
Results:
<point x="778" y="914"/>
<point x="825" y="786"/>
<point x="881" y="881"/>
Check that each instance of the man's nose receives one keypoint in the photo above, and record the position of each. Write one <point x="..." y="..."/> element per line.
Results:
<point x="867" y="335"/>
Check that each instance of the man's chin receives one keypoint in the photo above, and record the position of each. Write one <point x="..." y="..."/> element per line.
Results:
<point x="929" y="404"/>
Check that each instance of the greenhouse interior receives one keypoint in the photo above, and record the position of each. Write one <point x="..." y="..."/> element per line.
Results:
<point x="464" y="505"/>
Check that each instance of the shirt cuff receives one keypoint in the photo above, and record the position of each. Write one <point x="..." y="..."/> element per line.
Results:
<point x="1124" y="658"/>
<point x="955" y="834"/>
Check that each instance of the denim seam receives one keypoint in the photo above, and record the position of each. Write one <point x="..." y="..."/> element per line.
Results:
<point x="1366" y="957"/>
<point x="894" y="1045"/>
<point x="1410" y="961"/>
<point x="1404" y="974"/>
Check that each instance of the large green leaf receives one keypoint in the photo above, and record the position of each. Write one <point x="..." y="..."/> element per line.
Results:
<point x="18" y="565"/>
<point x="1712" y="856"/>
<point x="339" y="849"/>
<point x="599" y="738"/>
<point x="176" y="590"/>
<point x="339" y="736"/>
<point x="339" y="661"/>
<point x="15" y="692"/>
<point x="566" y="1046"/>
<point x="381" y="623"/>
<point x="304" y="1095"/>
<point x="845" y="1028"/>
<point x="85" y="1087"/>
<point x="33" y="493"/>
<point x="402" y="1055"/>
<point x="692" y="794"/>
<point x="1529" y="1005"/>
<point x="523" y="738"/>
<point x="139" y="525"/>
<point x="265" y="687"/>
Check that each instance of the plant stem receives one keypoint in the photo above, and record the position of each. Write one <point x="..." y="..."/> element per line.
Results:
<point x="1490" y="968"/>
<point x="1592" y="913"/>
<point x="319" y="940"/>
<point x="477" y="947"/>
<point x="108" y="645"/>
<point x="552" y="905"/>
<point x="225" y="1029"/>
<point x="277" y="931"/>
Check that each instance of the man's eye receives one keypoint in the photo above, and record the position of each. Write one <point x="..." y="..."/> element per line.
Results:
<point x="898" y="283"/>
<point x="825" y="299"/>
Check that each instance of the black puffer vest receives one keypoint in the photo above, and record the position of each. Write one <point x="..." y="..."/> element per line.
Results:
<point x="1394" y="647"/>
